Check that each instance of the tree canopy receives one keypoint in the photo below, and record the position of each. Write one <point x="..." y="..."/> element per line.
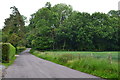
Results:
<point x="59" y="27"/>
<point x="14" y="28"/>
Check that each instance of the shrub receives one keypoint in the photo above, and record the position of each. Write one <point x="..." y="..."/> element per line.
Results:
<point x="0" y="53"/>
<point x="20" y="49"/>
<point x="32" y="50"/>
<point x="8" y="52"/>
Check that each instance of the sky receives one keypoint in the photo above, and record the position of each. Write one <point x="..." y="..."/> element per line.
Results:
<point x="28" y="7"/>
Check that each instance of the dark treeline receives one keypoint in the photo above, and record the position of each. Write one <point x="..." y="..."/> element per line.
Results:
<point x="59" y="27"/>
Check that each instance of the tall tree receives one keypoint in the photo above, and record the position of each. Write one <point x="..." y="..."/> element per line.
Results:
<point x="61" y="28"/>
<point x="14" y="28"/>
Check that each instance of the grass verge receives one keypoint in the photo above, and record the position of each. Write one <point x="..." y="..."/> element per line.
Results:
<point x="101" y="67"/>
<point x="10" y="62"/>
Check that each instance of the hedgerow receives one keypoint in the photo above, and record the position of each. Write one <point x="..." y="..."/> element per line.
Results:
<point x="8" y="52"/>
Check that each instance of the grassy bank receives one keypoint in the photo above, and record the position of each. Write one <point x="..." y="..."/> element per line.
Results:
<point x="10" y="62"/>
<point x="100" y="64"/>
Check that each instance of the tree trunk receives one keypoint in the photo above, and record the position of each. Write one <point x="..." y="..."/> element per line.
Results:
<point x="64" y="45"/>
<point x="110" y="58"/>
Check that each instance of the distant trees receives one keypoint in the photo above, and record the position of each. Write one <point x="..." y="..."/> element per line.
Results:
<point x="61" y="28"/>
<point x="14" y="28"/>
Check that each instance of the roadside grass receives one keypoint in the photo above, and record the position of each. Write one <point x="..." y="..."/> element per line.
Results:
<point x="84" y="61"/>
<point x="10" y="62"/>
<point x="104" y="54"/>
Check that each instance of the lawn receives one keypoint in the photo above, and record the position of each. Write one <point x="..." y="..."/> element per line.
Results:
<point x="102" y="64"/>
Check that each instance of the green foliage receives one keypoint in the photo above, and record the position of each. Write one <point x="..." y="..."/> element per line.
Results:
<point x="44" y="23"/>
<point x="14" y="29"/>
<point x="65" y="58"/>
<point x="32" y="50"/>
<point x="0" y="53"/>
<point x="14" y="38"/>
<point x="61" y="28"/>
<point x="98" y="67"/>
<point x="0" y="35"/>
<point x="83" y="61"/>
<point x="8" y="52"/>
<point x="10" y="62"/>
<point x="103" y="54"/>
<point x="20" y="49"/>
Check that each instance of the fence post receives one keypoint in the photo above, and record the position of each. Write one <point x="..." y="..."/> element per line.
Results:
<point x="79" y="56"/>
<point x="91" y="54"/>
<point x="110" y="57"/>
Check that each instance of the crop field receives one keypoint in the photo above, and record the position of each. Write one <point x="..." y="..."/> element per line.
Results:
<point x="102" y="64"/>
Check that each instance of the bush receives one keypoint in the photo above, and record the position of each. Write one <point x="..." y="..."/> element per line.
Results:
<point x="8" y="52"/>
<point x="20" y="49"/>
<point x="32" y="50"/>
<point x="0" y="53"/>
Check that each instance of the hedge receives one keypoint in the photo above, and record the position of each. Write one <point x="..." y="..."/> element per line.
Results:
<point x="0" y="53"/>
<point x="8" y="52"/>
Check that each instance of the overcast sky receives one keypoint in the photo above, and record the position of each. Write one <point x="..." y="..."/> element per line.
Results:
<point x="27" y="7"/>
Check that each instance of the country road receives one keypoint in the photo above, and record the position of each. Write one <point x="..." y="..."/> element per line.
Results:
<point x="29" y="66"/>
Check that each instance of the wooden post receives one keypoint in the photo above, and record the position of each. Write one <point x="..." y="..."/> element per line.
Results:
<point x="78" y="56"/>
<point x="110" y="58"/>
<point x="91" y="54"/>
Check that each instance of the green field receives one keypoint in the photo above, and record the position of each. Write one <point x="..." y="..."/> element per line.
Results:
<point x="102" y="64"/>
<point x="105" y="54"/>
